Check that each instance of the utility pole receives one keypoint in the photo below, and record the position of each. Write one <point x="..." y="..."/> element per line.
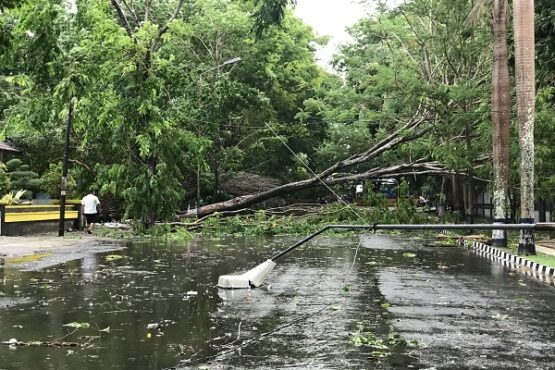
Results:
<point x="63" y="192"/>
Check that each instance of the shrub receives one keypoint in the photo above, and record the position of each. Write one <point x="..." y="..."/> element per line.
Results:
<point x="5" y="183"/>
<point x="22" y="178"/>
<point x="51" y="182"/>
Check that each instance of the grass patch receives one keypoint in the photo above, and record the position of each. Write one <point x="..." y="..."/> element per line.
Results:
<point x="544" y="259"/>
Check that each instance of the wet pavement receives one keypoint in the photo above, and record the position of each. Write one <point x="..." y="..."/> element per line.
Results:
<point x="34" y="253"/>
<point x="399" y="305"/>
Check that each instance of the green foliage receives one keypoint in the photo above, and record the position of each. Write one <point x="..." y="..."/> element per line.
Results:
<point x="5" y="183"/>
<point x="163" y="232"/>
<point x="375" y="198"/>
<point x="545" y="39"/>
<point x="421" y="56"/>
<point x="544" y="134"/>
<point x="22" y="178"/>
<point x="14" y="164"/>
<point x="268" y="13"/>
<point x="153" y="115"/>
<point x="12" y="198"/>
<point x="369" y="339"/>
<point x="262" y="224"/>
<point x="51" y="182"/>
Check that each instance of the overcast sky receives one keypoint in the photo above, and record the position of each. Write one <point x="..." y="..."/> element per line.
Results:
<point x="331" y="18"/>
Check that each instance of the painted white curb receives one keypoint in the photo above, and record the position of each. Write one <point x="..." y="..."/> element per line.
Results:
<point x="521" y="264"/>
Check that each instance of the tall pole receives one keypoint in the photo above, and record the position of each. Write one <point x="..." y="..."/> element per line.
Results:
<point x="63" y="192"/>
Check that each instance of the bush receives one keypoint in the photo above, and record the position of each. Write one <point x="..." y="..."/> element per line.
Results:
<point x="22" y="178"/>
<point x="5" y="183"/>
<point x="51" y="181"/>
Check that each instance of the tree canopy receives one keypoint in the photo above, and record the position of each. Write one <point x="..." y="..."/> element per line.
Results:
<point x="172" y="97"/>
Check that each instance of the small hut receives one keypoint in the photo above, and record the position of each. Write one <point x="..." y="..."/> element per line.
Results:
<point x="6" y="148"/>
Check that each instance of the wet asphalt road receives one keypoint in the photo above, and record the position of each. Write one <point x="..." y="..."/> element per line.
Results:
<point x="462" y="310"/>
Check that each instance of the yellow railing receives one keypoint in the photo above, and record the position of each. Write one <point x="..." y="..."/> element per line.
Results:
<point x="38" y="213"/>
<point x="19" y="219"/>
<point x="39" y="216"/>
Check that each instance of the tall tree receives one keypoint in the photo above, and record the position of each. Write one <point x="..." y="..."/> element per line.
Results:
<point x="501" y="119"/>
<point x="523" y="18"/>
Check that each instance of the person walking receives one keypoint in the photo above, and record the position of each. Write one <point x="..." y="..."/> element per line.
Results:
<point x="89" y="208"/>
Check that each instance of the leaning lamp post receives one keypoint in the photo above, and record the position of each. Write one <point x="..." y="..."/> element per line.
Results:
<point x="71" y="9"/>
<point x="63" y="192"/>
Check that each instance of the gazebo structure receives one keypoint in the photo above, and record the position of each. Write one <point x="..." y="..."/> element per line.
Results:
<point x="6" y="148"/>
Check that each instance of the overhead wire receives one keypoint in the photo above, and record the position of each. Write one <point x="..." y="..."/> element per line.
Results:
<point x="308" y="316"/>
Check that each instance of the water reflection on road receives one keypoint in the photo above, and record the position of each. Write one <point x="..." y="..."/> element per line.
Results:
<point x="157" y="307"/>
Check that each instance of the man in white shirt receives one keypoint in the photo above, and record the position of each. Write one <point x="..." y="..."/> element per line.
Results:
<point x="89" y="209"/>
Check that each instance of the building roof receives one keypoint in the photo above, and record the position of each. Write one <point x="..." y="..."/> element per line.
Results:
<point x="8" y="148"/>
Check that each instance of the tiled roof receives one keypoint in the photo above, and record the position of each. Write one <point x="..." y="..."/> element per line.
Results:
<point x="7" y="148"/>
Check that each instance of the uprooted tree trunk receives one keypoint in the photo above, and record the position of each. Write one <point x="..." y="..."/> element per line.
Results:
<point x="410" y="131"/>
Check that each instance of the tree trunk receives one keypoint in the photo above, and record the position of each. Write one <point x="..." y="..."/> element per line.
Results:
<point x="408" y="132"/>
<point x="542" y="210"/>
<point x="441" y="201"/>
<point x="457" y="203"/>
<point x="319" y="180"/>
<point x="523" y="19"/>
<point x="501" y="120"/>
<point x="216" y="171"/>
<point x="468" y="190"/>
<point x="469" y="183"/>
<point x="514" y="201"/>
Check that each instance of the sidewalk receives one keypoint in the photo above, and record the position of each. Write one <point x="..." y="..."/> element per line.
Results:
<point x="31" y="253"/>
<point x="17" y="246"/>
<point x="546" y="246"/>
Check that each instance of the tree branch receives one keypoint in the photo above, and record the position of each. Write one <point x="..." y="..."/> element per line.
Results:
<point x="122" y="18"/>
<point x="164" y="28"/>
<point x="400" y="136"/>
<point x="131" y="10"/>
<point x="391" y="171"/>
<point x="84" y="165"/>
<point x="148" y="4"/>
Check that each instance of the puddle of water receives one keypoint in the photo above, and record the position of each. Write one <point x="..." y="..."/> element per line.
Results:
<point x="28" y="258"/>
<point x="154" y="306"/>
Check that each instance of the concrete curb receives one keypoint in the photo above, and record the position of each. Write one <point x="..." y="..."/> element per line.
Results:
<point x="523" y="265"/>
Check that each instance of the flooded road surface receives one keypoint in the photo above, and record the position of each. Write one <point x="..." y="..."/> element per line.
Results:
<point x="399" y="305"/>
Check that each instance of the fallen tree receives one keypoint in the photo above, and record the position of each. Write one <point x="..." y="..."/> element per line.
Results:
<point x="412" y="130"/>
<point x="243" y="183"/>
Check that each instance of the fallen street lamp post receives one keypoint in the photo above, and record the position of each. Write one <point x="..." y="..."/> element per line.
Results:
<point x="255" y="277"/>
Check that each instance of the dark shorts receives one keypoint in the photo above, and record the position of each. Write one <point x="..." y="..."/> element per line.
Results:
<point x="92" y="218"/>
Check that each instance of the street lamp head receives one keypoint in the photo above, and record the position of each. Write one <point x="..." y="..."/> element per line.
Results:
<point x="231" y="61"/>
